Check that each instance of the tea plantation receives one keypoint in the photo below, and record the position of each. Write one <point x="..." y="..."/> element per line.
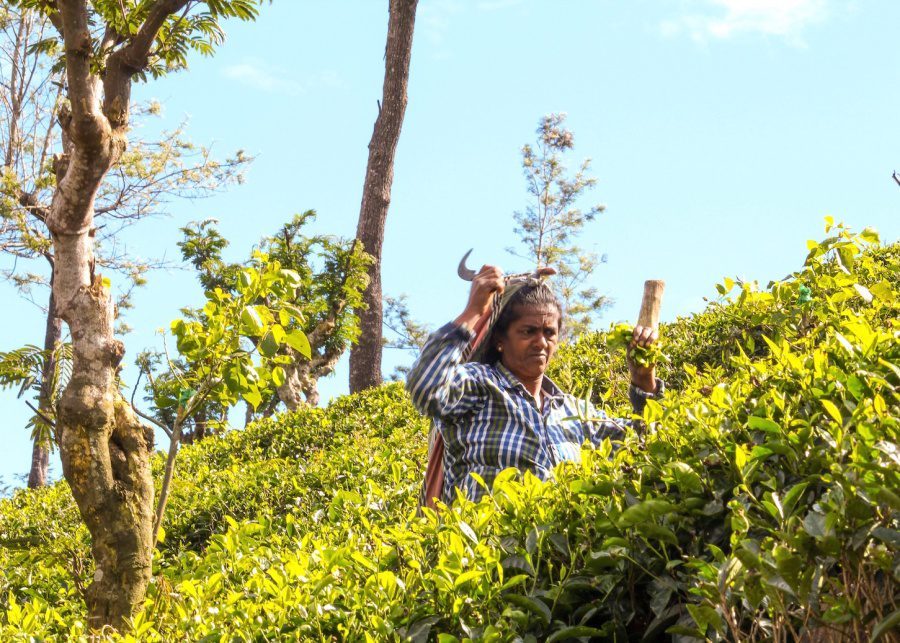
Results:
<point x="760" y="503"/>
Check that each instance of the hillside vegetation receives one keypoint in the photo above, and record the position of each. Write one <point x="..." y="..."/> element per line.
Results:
<point x="761" y="503"/>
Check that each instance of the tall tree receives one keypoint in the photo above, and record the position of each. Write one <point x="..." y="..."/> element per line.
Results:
<point x="365" y="357"/>
<point x="137" y="186"/>
<point x="105" y="450"/>
<point x="553" y="219"/>
<point x="332" y="277"/>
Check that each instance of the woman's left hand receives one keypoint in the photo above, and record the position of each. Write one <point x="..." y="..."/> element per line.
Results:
<point x="643" y="377"/>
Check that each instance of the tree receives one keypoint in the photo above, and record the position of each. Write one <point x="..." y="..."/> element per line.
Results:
<point x="408" y="334"/>
<point x="137" y="186"/>
<point x="365" y="357"/>
<point x="552" y="220"/>
<point x="333" y="276"/>
<point x="231" y="348"/>
<point x="105" y="451"/>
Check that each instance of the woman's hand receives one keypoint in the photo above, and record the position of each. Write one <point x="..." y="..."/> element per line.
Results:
<point x="643" y="377"/>
<point x="487" y="284"/>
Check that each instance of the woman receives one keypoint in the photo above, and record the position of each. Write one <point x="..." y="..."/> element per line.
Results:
<point x="501" y="411"/>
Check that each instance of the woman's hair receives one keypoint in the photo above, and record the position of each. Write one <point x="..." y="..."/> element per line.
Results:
<point x="532" y="295"/>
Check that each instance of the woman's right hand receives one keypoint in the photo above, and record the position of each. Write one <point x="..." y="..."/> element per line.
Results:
<point x="486" y="284"/>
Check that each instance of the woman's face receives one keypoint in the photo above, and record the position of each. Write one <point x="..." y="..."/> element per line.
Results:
<point x="529" y="342"/>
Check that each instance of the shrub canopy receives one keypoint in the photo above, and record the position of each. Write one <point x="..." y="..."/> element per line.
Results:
<point x="761" y="503"/>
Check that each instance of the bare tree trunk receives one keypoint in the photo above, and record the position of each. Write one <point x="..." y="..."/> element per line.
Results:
<point x="301" y="382"/>
<point x="290" y="391"/>
<point x="40" y="463"/>
<point x="311" y="392"/>
<point x="40" y="453"/>
<point x="365" y="357"/>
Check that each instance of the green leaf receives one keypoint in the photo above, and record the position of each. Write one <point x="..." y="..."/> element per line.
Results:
<point x="468" y="532"/>
<point x="704" y="616"/>
<point x="365" y="562"/>
<point x="278" y="333"/>
<point x="465" y="577"/>
<point x="657" y="532"/>
<point x="763" y="424"/>
<point x="268" y="347"/>
<point x="290" y="276"/>
<point x="278" y="376"/>
<point x="886" y="626"/>
<point x="740" y="456"/>
<point x="252" y="321"/>
<point x="792" y="496"/>
<point x="814" y="524"/>
<point x="685" y="477"/>
<point x="518" y="579"/>
<point x="856" y="386"/>
<point x="870" y="235"/>
<point x="297" y="340"/>
<point x="643" y="511"/>
<point x="884" y="291"/>
<point x="833" y="411"/>
<point x="253" y="397"/>
<point x="574" y="632"/>
<point x="418" y="632"/>
<point x="294" y="312"/>
<point x="536" y="607"/>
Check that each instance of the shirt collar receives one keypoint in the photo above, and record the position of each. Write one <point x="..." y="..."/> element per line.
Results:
<point x="510" y="381"/>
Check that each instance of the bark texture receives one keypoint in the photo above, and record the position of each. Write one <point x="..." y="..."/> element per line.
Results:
<point x="301" y="382"/>
<point x="365" y="357"/>
<point x="302" y="375"/>
<point x="40" y="453"/>
<point x="105" y="450"/>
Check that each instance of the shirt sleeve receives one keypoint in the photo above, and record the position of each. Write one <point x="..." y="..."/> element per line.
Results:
<point x="638" y="397"/>
<point x="438" y="383"/>
<point x="614" y="429"/>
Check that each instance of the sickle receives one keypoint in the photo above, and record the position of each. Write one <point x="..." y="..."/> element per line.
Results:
<point x="466" y="274"/>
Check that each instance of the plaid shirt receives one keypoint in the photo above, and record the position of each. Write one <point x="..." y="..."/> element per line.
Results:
<point x="489" y="422"/>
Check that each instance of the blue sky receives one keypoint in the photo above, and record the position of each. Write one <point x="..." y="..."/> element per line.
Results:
<point x="721" y="132"/>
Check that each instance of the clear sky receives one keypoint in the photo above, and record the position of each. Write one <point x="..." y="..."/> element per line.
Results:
<point x="721" y="132"/>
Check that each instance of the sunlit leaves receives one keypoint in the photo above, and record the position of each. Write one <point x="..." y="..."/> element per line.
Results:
<point x="762" y="505"/>
<point x="234" y="346"/>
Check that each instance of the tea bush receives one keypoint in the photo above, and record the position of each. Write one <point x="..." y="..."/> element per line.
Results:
<point x="760" y="504"/>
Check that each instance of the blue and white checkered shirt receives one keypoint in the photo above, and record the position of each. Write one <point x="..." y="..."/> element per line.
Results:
<point x="490" y="422"/>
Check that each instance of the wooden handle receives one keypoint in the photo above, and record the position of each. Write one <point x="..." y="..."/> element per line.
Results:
<point x="651" y="303"/>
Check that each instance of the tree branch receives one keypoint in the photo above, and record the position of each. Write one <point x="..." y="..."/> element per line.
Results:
<point x="49" y="9"/>
<point x="131" y="59"/>
<point x="86" y="119"/>
<point x="41" y="414"/>
<point x="165" y="429"/>
<point x="137" y="382"/>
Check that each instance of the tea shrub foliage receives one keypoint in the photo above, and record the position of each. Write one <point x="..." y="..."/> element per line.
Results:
<point x="761" y="503"/>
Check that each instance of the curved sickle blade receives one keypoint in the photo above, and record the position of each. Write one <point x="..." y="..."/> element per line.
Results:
<point x="466" y="274"/>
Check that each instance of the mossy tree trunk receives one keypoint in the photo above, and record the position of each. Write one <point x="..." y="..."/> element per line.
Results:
<point x="105" y="451"/>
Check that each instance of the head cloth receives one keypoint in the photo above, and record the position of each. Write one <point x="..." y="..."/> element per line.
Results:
<point x="476" y="349"/>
